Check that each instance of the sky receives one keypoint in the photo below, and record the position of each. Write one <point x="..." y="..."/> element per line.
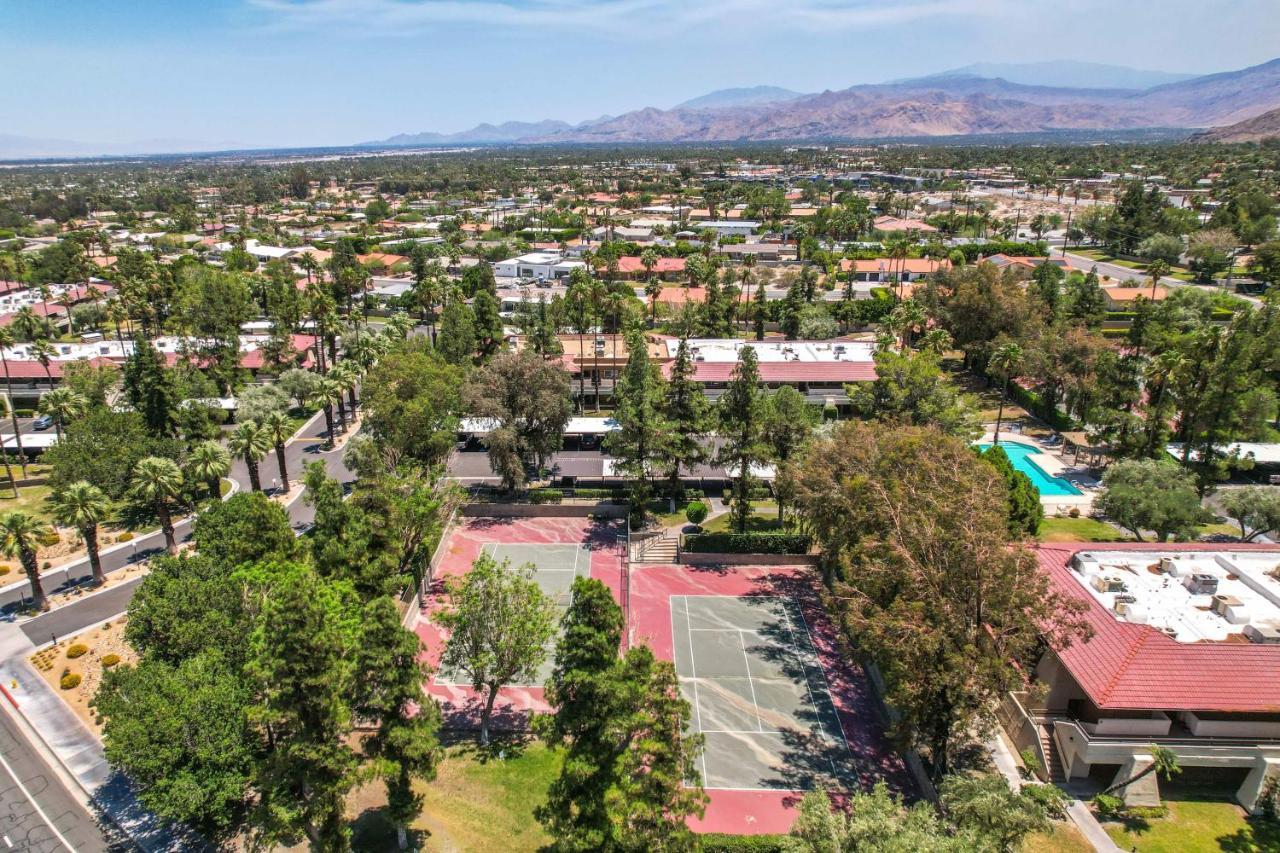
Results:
<point x="228" y="73"/>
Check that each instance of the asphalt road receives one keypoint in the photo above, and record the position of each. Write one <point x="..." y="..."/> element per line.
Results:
<point x="77" y="615"/>
<point x="36" y="811"/>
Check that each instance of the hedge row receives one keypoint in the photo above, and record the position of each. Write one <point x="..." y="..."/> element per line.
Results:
<point x="747" y="543"/>
<point x="1031" y="401"/>
<point x="718" y="842"/>
<point x="555" y="496"/>
<point x="757" y="492"/>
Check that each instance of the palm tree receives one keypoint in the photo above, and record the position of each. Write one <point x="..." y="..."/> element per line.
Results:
<point x="347" y="376"/>
<point x="327" y="393"/>
<point x="117" y="315"/>
<point x="83" y="506"/>
<point x="250" y="442"/>
<point x="20" y="537"/>
<point x="906" y="319"/>
<point x="279" y="428"/>
<point x="157" y="481"/>
<point x="209" y="462"/>
<point x="653" y="289"/>
<point x="63" y="404"/>
<point x="1157" y="269"/>
<point x="27" y="323"/>
<point x="7" y="341"/>
<point x="1163" y="761"/>
<point x="1004" y="361"/>
<point x="43" y="352"/>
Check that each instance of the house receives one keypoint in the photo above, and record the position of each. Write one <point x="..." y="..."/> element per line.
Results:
<point x="1184" y="653"/>
<point x="630" y="267"/>
<point x="892" y="269"/>
<point x="625" y="233"/>
<point x="818" y="369"/>
<point x="1027" y="262"/>
<point x="547" y="266"/>
<point x="893" y="225"/>
<point x="1122" y="298"/>
<point x="729" y="227"/>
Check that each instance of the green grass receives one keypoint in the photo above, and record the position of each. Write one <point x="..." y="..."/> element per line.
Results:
<point x="1064" y="838"/>
<point x="1196" y="826"/>
<point x="479" y="800"/>
<point x="31" y="500"/>
<point x="764" y="520"/>
<point x="1079" y="530"/>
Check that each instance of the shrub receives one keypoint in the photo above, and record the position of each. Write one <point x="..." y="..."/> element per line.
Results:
<point x="1108" y="805"/>
<point x="1030" y="760"/>
<point x="109" y="661"/>
<point x="717" y="842"/>
<point x="125" y="537"/>
<point x="77" y="650"/>
<point x="4" y="570"/>
<point x="758" y="492"/>
<point x="696" y="512"/>
<point x="1074" y="512"/>
<point x="747" y="543"/>
<point x="70" y="681"/>
<point x="49" y="538"/>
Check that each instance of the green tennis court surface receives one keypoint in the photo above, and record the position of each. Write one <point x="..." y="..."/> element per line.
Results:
<point x="748" y="667"/>
<point x="556" y="565"/>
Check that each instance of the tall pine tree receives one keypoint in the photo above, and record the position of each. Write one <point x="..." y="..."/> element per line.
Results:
<point x="688" y="413"/>
<point x="637" y="444"/>
<point x="741" y="418"/>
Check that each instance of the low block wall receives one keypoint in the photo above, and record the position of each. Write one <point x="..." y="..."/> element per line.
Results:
<point x="481" y="510"/>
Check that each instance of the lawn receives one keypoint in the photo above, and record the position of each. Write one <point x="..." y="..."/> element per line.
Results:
<point x="1064" y="838"/>
<point x="1196" y="826"/>
<point x="480" y="801"/>
<point x="764" y="520"/>
<point x="1079" y="530"/>
<point x="31" y="500"/>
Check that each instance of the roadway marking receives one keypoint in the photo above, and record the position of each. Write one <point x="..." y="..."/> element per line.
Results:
<point x="36" y="804"/>
<point x="7" y="841"/>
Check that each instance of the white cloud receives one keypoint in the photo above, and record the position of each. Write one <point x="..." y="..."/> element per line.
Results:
<point x="630" y="18"/>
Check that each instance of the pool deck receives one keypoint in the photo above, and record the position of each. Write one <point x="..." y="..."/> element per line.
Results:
<point x="1053" y="464"/>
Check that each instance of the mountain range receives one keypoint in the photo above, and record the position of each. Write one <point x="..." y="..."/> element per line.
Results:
<point x="961" y="102"/>
<point x="1256" y="129"/>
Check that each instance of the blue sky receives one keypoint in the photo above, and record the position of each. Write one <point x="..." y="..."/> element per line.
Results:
<point x="293" y="72"/>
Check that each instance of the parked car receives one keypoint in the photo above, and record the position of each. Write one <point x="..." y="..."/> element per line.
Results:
<point x="43" y="422"/>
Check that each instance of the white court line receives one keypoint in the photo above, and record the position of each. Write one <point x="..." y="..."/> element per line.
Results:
<point x="36" y="804"/>
<point x="818" y="664"/>
<point x="694" y="666"/>
<point x="746" y="659"/>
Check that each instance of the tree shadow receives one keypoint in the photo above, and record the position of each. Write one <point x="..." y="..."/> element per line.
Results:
<point x="1259" y="833"/>
<point x="502" y="746"/>
<point x="373" y="831"/>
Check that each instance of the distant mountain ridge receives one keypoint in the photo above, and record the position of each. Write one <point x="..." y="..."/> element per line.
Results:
<point x="1047" y="96"/>
<point x="1256" y="129"/>
<point x="1066" y="73"/>
<point x="740" y="97"/>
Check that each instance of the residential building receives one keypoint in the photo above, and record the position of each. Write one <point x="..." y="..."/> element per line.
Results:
<point x="891" y="269"/>
<point x="1183" y="652"/>
<point x="537" y="265"/>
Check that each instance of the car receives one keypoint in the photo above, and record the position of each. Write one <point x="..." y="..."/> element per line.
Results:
<point x="43" y="422"/>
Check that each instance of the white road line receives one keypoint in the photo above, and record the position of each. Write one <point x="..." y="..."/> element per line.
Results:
<point x="7" y="841"/>
<point x="36" y="805"/>
<point x="818" y="665"/>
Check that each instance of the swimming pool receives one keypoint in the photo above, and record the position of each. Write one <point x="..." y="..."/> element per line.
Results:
<point x="1019" y="455"/>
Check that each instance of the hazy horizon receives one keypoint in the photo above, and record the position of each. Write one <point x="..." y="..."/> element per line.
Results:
<point x="286" y="73"/>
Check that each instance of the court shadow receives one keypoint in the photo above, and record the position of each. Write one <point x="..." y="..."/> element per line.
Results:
<point x="488" y="522"/>
<point x="464" y="715"/>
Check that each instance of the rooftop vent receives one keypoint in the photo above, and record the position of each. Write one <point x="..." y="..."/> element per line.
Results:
<point x="1201" y="584"/>
<point x="1266" y="633"/>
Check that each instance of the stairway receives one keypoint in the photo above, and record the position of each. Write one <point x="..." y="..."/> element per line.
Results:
<point x="661" y="551"/>
<point x="1057" y="773"/>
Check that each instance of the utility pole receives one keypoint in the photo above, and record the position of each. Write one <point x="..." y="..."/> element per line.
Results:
<point x="1064" y="233"/>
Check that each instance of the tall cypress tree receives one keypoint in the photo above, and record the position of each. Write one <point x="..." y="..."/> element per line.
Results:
<point x="637" y="444"/>
<point x="687" y="411"/>
<point x="149" y="388"/>
<point x="742" y="428"/>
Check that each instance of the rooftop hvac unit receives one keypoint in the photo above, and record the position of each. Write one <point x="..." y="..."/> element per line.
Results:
<point x="1133" y="612"/>
<point x="1104" y="583"/>
<point x="1168" y="565"/>
<point x="1201" y="584"/>
<point x="1079" y="560"/>
<point x="1222" y="603"/>
<point x="1265" y="633"/>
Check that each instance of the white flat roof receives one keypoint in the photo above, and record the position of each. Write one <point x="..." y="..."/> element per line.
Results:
<point x="1267" y="454"/>
<point x="575" y="426"/>
<point x="727" y="349"/>
<point x="1174" y="591"/>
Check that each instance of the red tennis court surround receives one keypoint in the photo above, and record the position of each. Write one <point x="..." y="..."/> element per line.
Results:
<point x="868" y="756"/>
<point x="758" y="729"/>
<point x="602" y="559"/>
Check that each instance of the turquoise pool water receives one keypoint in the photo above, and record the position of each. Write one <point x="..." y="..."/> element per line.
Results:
<point x="1047" y="485"/>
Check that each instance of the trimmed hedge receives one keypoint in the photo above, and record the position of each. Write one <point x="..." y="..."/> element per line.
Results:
<point x="719" y="842"/>
<point x="555" y="496"/>
<point x="747" y="543"/>
<point x="758" y="492"/>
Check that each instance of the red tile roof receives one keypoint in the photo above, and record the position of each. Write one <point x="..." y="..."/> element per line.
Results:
<point x="791" y="371"/>
<point x="1126" y="666"/>
<point x="631" y="264"/>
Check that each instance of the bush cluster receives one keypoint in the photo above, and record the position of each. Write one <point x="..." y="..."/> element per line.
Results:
<point x="747" y="543"/>
<point x="109" y="661"/>
<point x="70" y="681"/>
<point x="77" y="650"/>
<point x="718" y="842"/>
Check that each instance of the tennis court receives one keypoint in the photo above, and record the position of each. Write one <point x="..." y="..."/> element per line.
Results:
<point x="748" y="666"/>
<point x="556" y="565"/>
